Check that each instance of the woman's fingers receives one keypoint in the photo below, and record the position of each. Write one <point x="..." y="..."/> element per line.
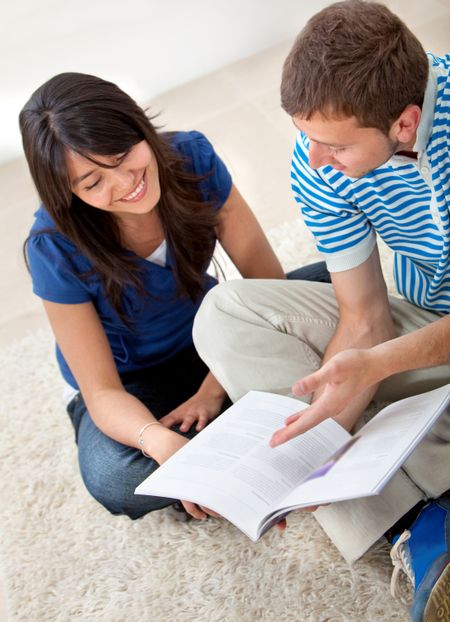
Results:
<point x="187" y="421"/>
<point x="198" y="511"/>
<point x="210" y="512"/>
<point x="202" y="421"/>
<point x="170" y="420"/>
<point x="194" y="510"/>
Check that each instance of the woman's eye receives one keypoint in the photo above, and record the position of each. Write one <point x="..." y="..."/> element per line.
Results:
<point x="121" y="156"/>
<point x="93" y="185"/>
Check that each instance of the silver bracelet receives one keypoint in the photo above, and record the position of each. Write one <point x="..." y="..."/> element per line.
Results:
<point x="141" y="440"/>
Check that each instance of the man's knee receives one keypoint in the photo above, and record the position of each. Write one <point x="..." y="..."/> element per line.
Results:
<point x="210" y="316"/>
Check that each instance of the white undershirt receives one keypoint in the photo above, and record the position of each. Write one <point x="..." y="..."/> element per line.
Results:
<point x="159" y="256"/>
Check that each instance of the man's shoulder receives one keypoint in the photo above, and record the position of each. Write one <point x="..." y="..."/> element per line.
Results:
<point x="440" y="116"/>
<point x="440" y="69"/>
<point x="440" y="62"/>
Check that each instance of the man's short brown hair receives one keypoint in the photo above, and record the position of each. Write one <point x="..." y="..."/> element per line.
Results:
<point x="354" y="58"/>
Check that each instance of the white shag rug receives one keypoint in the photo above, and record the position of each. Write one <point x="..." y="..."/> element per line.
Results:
<point x="64" y="558"/>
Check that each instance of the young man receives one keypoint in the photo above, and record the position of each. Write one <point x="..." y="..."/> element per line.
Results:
<point x="371" y="158"/>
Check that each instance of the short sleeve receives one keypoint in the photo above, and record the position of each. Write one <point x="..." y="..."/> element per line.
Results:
<point x="343" y="233"/>
<point x="53" y="272"/>
<point x="216" y="186"/>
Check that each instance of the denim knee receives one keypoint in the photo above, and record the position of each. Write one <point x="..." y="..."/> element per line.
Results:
<point x="114" y="489"/>
<point x="111" y="472"/>
<point x="117" y="495"/>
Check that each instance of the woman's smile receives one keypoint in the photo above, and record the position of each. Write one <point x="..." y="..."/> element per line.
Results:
<point x="127" y="184"/>
<point x="138" y="193"/>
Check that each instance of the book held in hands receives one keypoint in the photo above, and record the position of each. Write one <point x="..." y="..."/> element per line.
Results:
<point x="230" y="468"/>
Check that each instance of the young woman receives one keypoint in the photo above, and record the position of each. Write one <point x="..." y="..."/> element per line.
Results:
<point x="118" y="253"/>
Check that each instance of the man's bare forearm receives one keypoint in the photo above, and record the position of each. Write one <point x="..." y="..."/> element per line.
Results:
<point x="426" y="347"/>
<point x="351" y="334"/>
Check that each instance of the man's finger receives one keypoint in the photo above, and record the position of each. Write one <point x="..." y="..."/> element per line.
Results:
<point x="308" y="419"/>
<point x="309" y="384"/>
<point x="292" y="418"/>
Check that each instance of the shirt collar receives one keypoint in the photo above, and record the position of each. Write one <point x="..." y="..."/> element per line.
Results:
<point x="426" y="121"/>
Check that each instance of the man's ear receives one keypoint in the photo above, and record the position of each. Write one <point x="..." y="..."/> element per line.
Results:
<point x="403" y="130"/>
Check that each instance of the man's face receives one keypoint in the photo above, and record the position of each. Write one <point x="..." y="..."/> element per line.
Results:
<point x="344" y="145"/>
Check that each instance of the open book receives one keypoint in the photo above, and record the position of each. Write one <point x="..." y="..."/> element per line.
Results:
<point x="230" y="468"/>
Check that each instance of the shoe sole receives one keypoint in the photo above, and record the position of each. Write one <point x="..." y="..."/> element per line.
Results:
<point x="438" y="605"/>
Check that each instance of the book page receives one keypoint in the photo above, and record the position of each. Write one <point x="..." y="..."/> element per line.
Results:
<point x="375" y="452"/>
<point x="230" y="468"/>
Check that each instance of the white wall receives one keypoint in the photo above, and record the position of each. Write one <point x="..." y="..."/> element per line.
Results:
<point x="146" y="46"/>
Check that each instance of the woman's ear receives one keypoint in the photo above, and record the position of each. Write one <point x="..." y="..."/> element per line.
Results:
<point x="404" y="129"/>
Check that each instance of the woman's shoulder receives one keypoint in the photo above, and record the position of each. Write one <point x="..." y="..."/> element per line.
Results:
<point x="202" y="160"/>
<point x="54" y="264"/>
<point x="46" y="244"/>
<point x="44" y="228"/>
<point x="186" y="140"/>
<point x="194" y="147"/>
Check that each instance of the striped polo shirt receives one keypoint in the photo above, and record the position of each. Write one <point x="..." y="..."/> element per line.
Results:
<point x="405" y="201"/>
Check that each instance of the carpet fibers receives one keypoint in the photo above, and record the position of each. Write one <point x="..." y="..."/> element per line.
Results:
<point x="63" y="557"/>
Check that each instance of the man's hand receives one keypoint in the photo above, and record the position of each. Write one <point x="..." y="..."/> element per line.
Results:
<point x="365" y="321"/>
<point x="345" y="376"/>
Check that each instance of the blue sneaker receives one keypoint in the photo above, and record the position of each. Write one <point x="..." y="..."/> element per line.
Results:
<point x="423" y="553"/>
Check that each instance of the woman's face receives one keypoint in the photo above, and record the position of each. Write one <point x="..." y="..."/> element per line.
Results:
<point x="131" y="187"/>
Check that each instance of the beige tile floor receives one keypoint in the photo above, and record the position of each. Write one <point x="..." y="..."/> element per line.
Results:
<point x="238" y="108"/>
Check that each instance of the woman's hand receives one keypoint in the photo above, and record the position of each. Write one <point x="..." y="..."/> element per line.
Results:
<point x="202" y="407"/>
<point x="199" y="512"/>
<point x="171" y="445"/>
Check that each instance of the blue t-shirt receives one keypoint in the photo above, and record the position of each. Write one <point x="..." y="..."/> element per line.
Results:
<point x="162" y="322"/>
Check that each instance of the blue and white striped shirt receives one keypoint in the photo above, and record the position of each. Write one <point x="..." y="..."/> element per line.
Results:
<point x="405" y="202"/>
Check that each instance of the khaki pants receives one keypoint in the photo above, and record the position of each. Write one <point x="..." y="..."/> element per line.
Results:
<point x="264" y="335"/>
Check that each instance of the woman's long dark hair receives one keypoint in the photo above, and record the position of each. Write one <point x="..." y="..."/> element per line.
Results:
<point x="90" y="116"/>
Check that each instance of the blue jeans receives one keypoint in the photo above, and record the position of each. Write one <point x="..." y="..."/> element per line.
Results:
<point x="313" y="272"/>
<point x="110" y="470"/>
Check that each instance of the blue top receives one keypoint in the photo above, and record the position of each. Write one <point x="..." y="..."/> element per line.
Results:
<point x="406" y="202"/>
<point x="161" y="323"/>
